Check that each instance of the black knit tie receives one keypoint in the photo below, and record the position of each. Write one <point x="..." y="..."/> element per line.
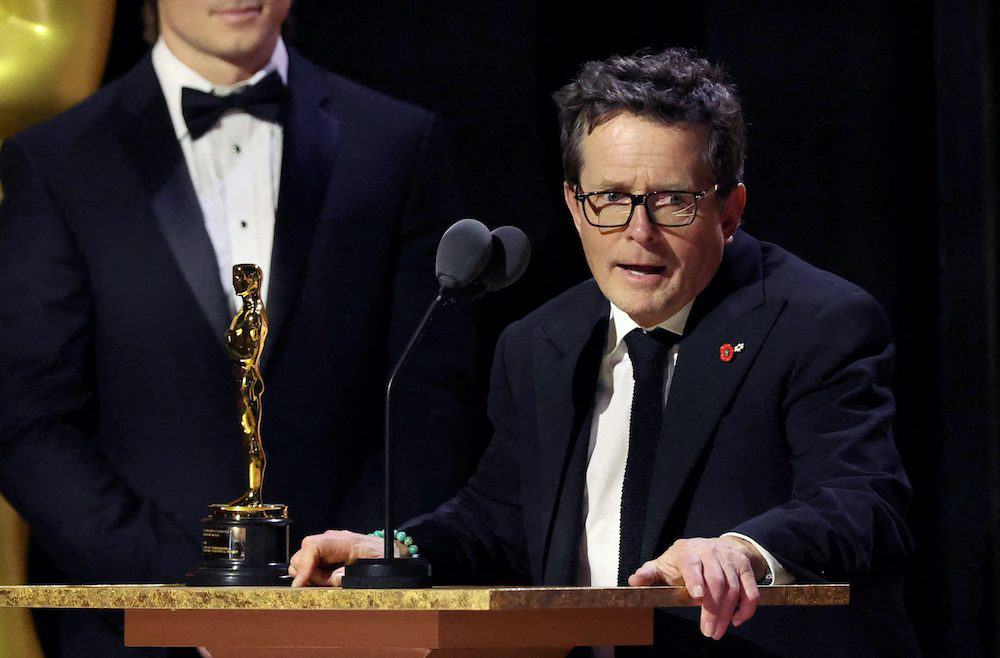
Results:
<point x="648" y="353"/>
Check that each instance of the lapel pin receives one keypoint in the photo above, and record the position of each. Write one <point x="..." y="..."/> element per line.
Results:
<point x="726" y="353"/>
<point x="738" y="348"/>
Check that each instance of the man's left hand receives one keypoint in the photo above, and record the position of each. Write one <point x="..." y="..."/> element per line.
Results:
<point x="721" y="573"/>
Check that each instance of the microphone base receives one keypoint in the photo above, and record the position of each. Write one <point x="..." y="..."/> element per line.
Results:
<point x="394" y="573"/>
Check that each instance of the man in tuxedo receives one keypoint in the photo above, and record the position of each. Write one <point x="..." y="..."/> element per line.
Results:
<point x="707" y="411"/>
<point x="120" y="223"/>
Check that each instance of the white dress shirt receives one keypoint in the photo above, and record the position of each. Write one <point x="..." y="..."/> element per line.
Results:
<point x="608" y="451"/>
<point x="235" y="167"/>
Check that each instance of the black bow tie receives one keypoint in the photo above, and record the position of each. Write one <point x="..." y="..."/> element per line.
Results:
<point x="264" y="100"/>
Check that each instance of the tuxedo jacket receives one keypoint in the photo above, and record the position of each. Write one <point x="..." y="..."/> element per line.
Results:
<point x="788" y="442"/>
<point x="119" y="423"/>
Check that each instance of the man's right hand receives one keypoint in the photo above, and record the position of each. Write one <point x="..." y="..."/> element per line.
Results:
<point x="320" y="560"/>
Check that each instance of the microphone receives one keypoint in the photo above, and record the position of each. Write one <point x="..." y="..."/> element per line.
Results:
<point x="470" y="261"/>
<point x="473" y="261"/>
<point x="509" y="258"/>
<point x="463" y="254"/>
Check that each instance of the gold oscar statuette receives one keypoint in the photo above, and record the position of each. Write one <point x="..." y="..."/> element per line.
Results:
<point x="246" y="542"/>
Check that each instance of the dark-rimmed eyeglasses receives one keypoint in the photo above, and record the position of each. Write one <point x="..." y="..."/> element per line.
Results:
<point x="608" y="209"/>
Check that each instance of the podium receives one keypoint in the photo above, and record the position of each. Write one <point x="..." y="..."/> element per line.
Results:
<point x="444" y="622"/>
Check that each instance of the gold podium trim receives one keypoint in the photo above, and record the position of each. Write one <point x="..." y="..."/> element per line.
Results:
<point x="175" y="597"/>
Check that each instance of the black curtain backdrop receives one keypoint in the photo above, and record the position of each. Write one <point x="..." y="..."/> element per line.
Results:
<point x="873" y="154"/>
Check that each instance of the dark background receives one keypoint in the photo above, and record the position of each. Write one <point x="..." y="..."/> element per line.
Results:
<point x="873" y="154"/>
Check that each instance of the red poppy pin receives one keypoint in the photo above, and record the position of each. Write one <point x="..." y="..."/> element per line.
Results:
<point x="727" y="351"/>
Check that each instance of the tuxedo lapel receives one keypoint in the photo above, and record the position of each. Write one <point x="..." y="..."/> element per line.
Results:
<point x="310" y="142"/>
<point x="566" y="361"/>
<point x="152" y="147"/>
<point x="732" y="310"/>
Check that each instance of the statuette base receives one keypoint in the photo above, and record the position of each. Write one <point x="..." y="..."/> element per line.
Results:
<point x="243" y="545"/>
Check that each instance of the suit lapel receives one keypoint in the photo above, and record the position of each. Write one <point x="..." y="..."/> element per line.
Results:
<point x="731" y="310"/>
<point x="567" y="520"/>
<point x="310" y="142"/>
<point x="151" y="145"/>
<point x="567" y="356"/>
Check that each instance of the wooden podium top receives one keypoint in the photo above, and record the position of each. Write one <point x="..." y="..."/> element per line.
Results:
<point x="177" y="597"/>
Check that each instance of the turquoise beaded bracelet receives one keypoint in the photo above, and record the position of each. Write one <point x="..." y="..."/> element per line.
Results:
<point x="402" y="538"/>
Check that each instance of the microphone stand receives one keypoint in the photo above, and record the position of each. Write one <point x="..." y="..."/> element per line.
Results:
<point x="390" y="572"/>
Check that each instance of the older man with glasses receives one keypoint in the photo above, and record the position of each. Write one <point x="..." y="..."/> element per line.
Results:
<point x="708" y="411"/>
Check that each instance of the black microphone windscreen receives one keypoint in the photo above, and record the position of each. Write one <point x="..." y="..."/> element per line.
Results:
<point x="463" y="253"/>
<point x="511" y="254"/>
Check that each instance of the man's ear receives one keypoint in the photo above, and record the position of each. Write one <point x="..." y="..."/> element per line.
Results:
<point x="732" y="212"/>
<point x="573" y="205"/>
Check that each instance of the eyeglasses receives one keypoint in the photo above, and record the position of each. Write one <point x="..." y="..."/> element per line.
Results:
<point x="608" y="209"/>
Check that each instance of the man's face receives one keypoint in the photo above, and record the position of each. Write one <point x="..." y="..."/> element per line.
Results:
<point x="651" y="271"/>
<point x="236" y="31"/>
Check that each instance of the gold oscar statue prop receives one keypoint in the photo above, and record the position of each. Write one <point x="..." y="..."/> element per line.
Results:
<point x="246" y="542"/>
<point x="52" y="55"/>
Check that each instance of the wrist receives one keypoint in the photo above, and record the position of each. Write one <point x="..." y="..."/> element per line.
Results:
<point x="403" y="544"/>
<point x="757" y="561"/>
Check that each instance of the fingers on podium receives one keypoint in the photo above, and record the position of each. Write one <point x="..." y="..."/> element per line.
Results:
<point x="716" y="572"/>
<point x="314" y="563"/>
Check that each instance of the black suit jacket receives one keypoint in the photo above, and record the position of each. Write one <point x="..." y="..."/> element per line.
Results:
<point x="789" y="443"/>
<point x="118" y="424"/>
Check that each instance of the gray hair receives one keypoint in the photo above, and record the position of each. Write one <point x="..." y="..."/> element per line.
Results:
<point x="674" y="86"/>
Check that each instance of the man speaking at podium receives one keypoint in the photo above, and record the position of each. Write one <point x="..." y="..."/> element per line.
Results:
<point x="707" y="411"/>
<point x="119" y="227"/>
